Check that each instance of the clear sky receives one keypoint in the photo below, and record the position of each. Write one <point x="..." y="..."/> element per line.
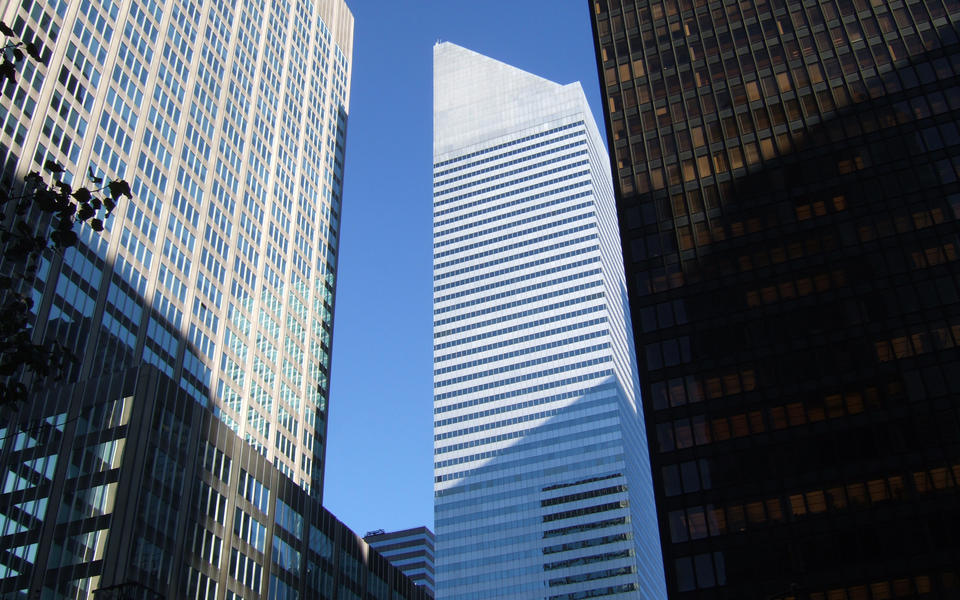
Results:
<point x="379" y="470"/>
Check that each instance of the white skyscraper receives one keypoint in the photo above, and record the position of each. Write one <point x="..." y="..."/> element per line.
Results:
<point x="228" y="119"/>
<point x="542" y="478"/>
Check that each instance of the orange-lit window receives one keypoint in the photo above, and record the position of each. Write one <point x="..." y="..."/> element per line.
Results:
<point x="721" y="429"/>
<point x="732" y="383"/>
<point x="677" y="395"/>
<point x="703" y="165"/>
<point x="694" y="389"/>
<point x="896" y="486"/>
<point x="822" y="282"/>
<point x="884" y="353"/>
<point x="701" y="431"/>
<point x="787" y="290"/>
<point x="697" y="523"/>
<point x="880" y="591"/>
<point x="837" y="498"/>
<point x="749" y="380"/>
<point x="857" y="493"/>
<point x="858" y="592"/>
<point x="901" y="348"/>
<point x="778" y="417"/>
<point x="816" y="501"/>
<point x="766" y="148"/>
<point x="941" y="478"/>
<point x="739" y="425"/>
<point x="796" y="414"/>
<point x="815" y="411"/>
<point x="854" y="403"/>
<point x="755" y="512"/>
<point x="834" y="404"/>
<point x="716" y="521"/>
<point x="797" y="506"/>
<point x="877" y="488"/>
<point x="684" y="435"/>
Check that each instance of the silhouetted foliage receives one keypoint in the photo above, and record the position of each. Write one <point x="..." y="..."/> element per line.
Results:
<point x="26" y="236"/>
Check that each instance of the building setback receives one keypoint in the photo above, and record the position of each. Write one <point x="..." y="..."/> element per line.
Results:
<point x="228" y="120"/>
<point x="126" y="485"/>
<point x="410" y="550"/>
<point x="788" y="200"/>
<point x="542" y="483"/>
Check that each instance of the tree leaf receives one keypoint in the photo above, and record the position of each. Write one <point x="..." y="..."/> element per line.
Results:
<point x="5" y="30"/>
<point x="120" y="188"/>
<point x="86" y="211"/>
<point x="82" y="195"/>
<point x="110" y="204"/>
<point x="64" y="239"/>
<point x="96" y="225"/>
<point x="53" y="167"/>
<point x="8" y="70"/>
<point x="33" y="51"/>
<point x="46" y="200"/>
<point x="93" y="176"/>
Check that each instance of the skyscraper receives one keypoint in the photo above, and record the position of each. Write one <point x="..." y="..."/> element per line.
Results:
<point x="228" y="119"/>
<point x="787" y="192"/>
<point x="542" y="483"/>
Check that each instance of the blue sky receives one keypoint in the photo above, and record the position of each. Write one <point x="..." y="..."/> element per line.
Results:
<point x="379" y="470"/>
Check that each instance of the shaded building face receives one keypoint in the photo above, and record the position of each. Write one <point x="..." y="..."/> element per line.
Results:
<point x="786" y="178"/>
<point x="410" y="550"/>
<point x="124" y="487"/>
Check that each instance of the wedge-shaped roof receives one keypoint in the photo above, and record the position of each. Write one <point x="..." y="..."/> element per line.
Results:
<point x="477" y="98"/>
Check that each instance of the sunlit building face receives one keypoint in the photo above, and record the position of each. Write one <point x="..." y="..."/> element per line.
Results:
<point x="228" y="120"/>
<point x="541" y="478"/>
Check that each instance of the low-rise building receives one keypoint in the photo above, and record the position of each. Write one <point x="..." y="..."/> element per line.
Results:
<point x="125" y="486"/>
<point x="410" y="550"/>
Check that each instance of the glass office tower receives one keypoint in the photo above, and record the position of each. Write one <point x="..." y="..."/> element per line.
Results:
<point x="127" y="489"/>
<point x="788" y="197"/>
<point x="542" y="482"/>
<point x="228" y="119"/>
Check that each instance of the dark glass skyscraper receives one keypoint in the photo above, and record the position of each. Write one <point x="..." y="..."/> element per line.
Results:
<point x="787" y="187"/>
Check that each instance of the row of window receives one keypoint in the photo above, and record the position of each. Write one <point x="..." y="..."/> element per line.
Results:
<point x="514" y="192"/>
<point x="502" y="342"/>
<point x="500" y="147"/>
<point x="572" y="290"/>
